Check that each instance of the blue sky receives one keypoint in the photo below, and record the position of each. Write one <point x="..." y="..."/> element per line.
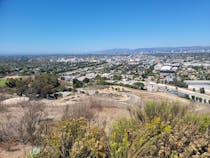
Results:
<point x="86" y="25"/>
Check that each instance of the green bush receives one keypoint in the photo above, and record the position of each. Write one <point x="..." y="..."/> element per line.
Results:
<point x="77" y="83"/>
<point x="74" y="138"/>
<point x="156" y="129"/>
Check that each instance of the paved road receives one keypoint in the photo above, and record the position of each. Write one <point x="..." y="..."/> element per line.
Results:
<point x="132" y="98"/>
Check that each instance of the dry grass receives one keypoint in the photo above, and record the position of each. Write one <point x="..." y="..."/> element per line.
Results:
<point x="99" y="109"/>
<point x="18" y="151"/>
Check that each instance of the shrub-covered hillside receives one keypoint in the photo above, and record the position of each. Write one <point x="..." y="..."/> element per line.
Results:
<point x="157" y="129"/>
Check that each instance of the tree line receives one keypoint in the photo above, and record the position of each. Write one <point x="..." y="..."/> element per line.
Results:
<point x="41" y="85"/>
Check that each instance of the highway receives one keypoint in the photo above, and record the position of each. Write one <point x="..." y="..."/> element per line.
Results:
<point x="168" y="88"/>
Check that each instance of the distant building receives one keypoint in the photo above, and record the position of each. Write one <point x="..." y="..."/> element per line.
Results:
<point x="166" y="70"/>
<point x="157" y="67"/>
<point x="151" y="87"/>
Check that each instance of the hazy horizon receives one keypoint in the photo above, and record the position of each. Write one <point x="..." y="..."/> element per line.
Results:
<point x="102" y="51"/>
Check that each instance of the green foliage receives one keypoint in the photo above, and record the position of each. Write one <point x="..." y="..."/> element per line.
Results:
<point x="2" y="82"/>
<point x="202" y="90"/>
<point x="127" y="85"/>
<point x="4" y="70"/>
<point x="92" y="144"/>
<point x="74" y="138"/>
<point x="86" y="80"/>
<point x="164" y="110"/>
<point x="45" y="84"/>
<point x="156" y="129"/>
<point x="117" y="77"/>
<point x="98" y="77"/>
<point x="22" y="86"/>
<point x="42" y="85"/>
<point x="130" y="139"/>
<point x="181" y="84"/>
<point x="102" y="82"/>
<point x="120" y="137"/>
<point x="202" y="121"/>
<point x="148" y="72"/>
<point x="198" y="68"/>
<point x="11" y="83"/>
<point x="139" y="85"/>
<point x="77" y="83"/>
<point x="168" y="130"/>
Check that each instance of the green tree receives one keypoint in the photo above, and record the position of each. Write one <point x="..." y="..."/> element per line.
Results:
<point x="22" y="86"/>
<point x="11" y="83"/>
<point x="45" y="84"/>
<point x="77" y="83"/>
<point x="86" y="80"/>
<point x="139" y="85"/>
<point x="117" y="77"/>
<point x="202" y="90"/>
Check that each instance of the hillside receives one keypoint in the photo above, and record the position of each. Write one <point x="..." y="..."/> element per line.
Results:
<point x="102" y="106"/>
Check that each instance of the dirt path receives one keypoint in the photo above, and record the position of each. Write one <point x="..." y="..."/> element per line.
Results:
<point x="17" y="151"/>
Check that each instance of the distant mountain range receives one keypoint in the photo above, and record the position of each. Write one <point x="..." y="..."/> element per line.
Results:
<point x="192" y="49"/>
